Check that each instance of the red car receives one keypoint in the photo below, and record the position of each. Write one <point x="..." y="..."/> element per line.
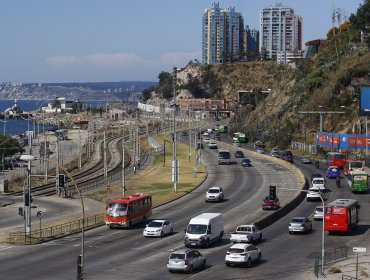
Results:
<point x="270" y="204"/>
<point x="287" y="156"/>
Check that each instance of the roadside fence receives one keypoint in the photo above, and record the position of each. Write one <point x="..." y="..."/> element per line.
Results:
<point x="330" y="257"/>
<point x="46" y="234"/>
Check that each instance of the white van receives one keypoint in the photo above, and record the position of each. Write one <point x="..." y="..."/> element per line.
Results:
<point x="204" y="229"/>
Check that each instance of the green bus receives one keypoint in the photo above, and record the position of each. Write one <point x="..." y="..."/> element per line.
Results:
<point x="240" y="137"/>
<point x="223" y="129"/>
<point x="358" y="181"/>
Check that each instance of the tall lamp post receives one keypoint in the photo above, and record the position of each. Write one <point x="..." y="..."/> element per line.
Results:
<point x="323" y="225"/>
<point x="29" y="159"/>
<point x="174" y="161"/>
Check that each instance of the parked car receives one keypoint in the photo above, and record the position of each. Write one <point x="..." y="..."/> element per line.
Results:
<point x="158" y="228"/>
<point x="275" y="150"/>
<point x="318" y="214"/>
<point x="333" y="172"/>
<point x="246" y="162"/>
<point x="300" y="224"/>
<point x="305" y="160"/>
<point x="239" y="154"/>
<point x="243" y="253"/>
<point x="205" y="133"/>
<point x="185" y="260"/>
<point x="260" y="150"/>
<point x="214" y="194"/>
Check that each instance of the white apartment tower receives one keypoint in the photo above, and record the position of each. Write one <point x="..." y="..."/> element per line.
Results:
<point x="222" y="35"/>
<point x="280" y="30"/>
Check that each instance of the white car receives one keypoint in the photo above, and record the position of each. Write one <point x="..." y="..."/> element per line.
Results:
<point x="206" y="140"/>
<point x="205" y="133"/>
<point x="243" y="253"/>
<point x="318" y="214"/>
<point x="212" y="145"/>
<point x="236" y="143"/>
<point x="214" y="194"/>
<point x="158" y="228"/>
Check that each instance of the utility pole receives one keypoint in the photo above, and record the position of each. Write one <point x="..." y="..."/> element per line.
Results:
<point x="79" y="147"/>
<point x="123" y="163"/>
<point x="174" y="161"/>
<point x="105" y="156"/>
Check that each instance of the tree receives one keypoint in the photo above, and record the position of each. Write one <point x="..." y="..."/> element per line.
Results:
<point x="56" y="104"/>
<point x="362" y="18"/>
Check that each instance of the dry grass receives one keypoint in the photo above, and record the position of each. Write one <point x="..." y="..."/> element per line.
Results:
<point x="157" y="180"/>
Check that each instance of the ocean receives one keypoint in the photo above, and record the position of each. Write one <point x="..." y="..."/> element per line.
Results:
<point x="14" y="127"/>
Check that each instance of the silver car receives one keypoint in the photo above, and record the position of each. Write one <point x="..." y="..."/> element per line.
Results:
<point x="318" y="214"/>
<point x="300" y="224"/>
<point x="185" y="260"/>
<point x="214" y="194"/>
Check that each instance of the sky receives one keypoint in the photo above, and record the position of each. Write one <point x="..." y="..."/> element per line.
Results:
<point x="123" y="40"/>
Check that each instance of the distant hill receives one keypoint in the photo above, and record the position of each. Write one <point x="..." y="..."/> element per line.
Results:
<point x="75" y="91"/>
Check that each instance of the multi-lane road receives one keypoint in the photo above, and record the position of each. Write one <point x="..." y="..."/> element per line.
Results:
<point x="126" y="254"/>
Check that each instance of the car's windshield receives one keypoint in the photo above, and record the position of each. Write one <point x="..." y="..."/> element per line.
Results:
<point x="356" y="164"/>
<point x="117" y="209"/>
<point x="318" y="209"/>
<point x="197" y="229"/>
<point x="155" y="224"/>
<point x="213" y="191"/>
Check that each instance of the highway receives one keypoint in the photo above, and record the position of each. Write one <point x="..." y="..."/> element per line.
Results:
<point x="110" y="254"/>
<point x="123" y="254"/>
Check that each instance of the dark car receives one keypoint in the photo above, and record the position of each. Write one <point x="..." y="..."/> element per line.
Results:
<point x="239" y="154"/>
<point x="287" y="156"/>
<point x="184" y="133"/>
<point x="316" y="175"/>
<point x="246" y="162"/>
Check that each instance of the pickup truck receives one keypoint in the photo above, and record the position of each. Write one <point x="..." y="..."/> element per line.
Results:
<point x="246" y="234"/>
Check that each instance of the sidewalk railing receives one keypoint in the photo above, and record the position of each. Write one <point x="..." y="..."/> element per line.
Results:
<point x="330" y="257"/>
<point x="46" y="234"/>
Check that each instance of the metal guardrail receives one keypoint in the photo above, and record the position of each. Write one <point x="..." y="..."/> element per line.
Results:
<point x="46" y="234"/>
<point x="330" y="257"/>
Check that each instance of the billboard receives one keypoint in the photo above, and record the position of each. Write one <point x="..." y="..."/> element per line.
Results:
<point x="342" y="141"/>
<point x="364" y="101"/>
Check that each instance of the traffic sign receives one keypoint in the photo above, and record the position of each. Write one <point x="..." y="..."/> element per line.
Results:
<point x="359" y="249"/>
<point x="40" y="214"/>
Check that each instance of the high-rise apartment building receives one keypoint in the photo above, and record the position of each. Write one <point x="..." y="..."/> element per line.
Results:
<point x="280" y="30"/>
<point x="222" y="35"/>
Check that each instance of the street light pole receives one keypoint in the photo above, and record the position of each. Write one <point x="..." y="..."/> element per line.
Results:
<point x="174" y="161"/>
<point x="323" y="225"/>
<point x="80" y="260"/>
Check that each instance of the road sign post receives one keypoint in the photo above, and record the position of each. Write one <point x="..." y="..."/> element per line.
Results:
<point x="39" y="214"/>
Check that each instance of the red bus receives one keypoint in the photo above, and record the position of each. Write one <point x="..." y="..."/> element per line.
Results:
<point x="335" y="159"/>
<point x="341" y="215"/>
<point x="128" y="210"/>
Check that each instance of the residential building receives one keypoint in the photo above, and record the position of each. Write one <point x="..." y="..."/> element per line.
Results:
<point x="222" y="35"/>
<point x="280" y="30"/>
<point x="251" y="43"/>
